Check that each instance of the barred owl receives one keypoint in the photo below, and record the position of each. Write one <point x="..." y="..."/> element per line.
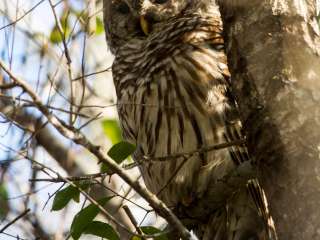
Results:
<point x="175" y="104"/>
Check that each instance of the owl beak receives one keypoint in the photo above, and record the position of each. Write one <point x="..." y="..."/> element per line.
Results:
<point x="144" y="25"/>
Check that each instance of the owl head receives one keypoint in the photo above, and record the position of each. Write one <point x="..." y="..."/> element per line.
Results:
<point x="136" y="19"/>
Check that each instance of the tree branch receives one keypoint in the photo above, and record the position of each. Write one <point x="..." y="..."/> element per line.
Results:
<point x="14" y="220"/>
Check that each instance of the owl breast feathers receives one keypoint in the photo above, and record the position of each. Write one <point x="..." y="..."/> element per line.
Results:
<point x="172" y="98"/>
<point x="175" y="104"/>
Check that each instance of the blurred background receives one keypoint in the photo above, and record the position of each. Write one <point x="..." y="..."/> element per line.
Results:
<point x="59" y="48"/>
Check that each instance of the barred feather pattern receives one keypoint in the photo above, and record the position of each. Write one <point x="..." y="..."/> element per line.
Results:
<point x="174" y="97"/>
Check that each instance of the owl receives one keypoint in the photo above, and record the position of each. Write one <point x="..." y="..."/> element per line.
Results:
<point x="175" y="104"/>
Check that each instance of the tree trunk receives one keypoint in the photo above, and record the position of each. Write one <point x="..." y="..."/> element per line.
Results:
<point x="273" y="52"/>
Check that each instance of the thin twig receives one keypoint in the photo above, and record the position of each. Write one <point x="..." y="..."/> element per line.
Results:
<point x="25" y="14"/>
<point x="73" y="179"/>
<point x="185" y="159"/>
<point x="60" y="29"/>
<point x="123" y="197"/>
<point x="67" y="55"/>
<point x="91" y="74"/>
<point x="14" y="220"/>
<point x="29" y="103"/>
<point x="199" y="150"/>
<point x="87" y="178"/>
<point x="103" y="211"/>
<point x="132" y="219"/>
<point x="184" y="154"/>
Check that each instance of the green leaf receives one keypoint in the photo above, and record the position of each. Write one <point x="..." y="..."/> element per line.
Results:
<point x="83" y="218"/>
<point x="3" y="192"/>
<point x="101" y="229"/>
<point x="112" y="130"/>
<point x="63" y="197"/>
<point x="55" y="35"/>
<point x="4" y="209"/>
<point x="105" y="169"/>
<point x="152" y="230"/>
<point x="99" y="26"/>
<point x="135" y="238"/>
<point x="120" y="151"/>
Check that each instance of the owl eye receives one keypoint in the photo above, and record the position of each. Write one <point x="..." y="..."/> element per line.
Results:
<point x="160" y="1"/>
<point x="123" y="8"/>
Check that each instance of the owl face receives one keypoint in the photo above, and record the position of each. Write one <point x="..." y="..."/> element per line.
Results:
<point x="135" y="19"/>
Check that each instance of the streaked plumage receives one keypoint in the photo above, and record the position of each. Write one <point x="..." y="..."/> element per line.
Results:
<point x="174" y="97"/>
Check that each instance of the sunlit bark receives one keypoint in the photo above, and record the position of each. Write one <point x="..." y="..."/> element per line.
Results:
<point x="273" y="48"/>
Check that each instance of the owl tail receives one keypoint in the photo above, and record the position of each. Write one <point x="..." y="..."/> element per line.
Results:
<point x="239" y="219"/>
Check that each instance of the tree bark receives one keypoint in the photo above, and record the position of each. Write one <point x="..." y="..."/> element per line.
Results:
<point x="273" y="51"/>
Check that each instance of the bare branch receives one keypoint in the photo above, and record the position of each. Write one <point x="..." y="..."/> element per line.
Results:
<point x="185" y="154"/>
<point x="73" y="179"/>
<point x="14" y="220"/>
<point x="132" y="219"/>
<point x="91" y="74"/>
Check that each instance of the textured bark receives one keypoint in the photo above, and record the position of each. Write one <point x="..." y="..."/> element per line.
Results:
<point x="273" y="49"/>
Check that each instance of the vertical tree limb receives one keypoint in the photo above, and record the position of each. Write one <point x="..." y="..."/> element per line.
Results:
<point x="273" y="49"/>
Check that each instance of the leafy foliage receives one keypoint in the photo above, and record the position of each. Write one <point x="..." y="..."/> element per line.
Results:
<point x="120" y="151"/>
<point x="3" y="200"/>
<point x="101" y="229"/>
<point x="85" y="217"/>
<point x="99" y="26"/>
<point x="64" y="196"/>
<point x="83" y="221"/>
<point x="82" y="17"/>
<point x="112" y="130"/>
<point x="55" y="35"/>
